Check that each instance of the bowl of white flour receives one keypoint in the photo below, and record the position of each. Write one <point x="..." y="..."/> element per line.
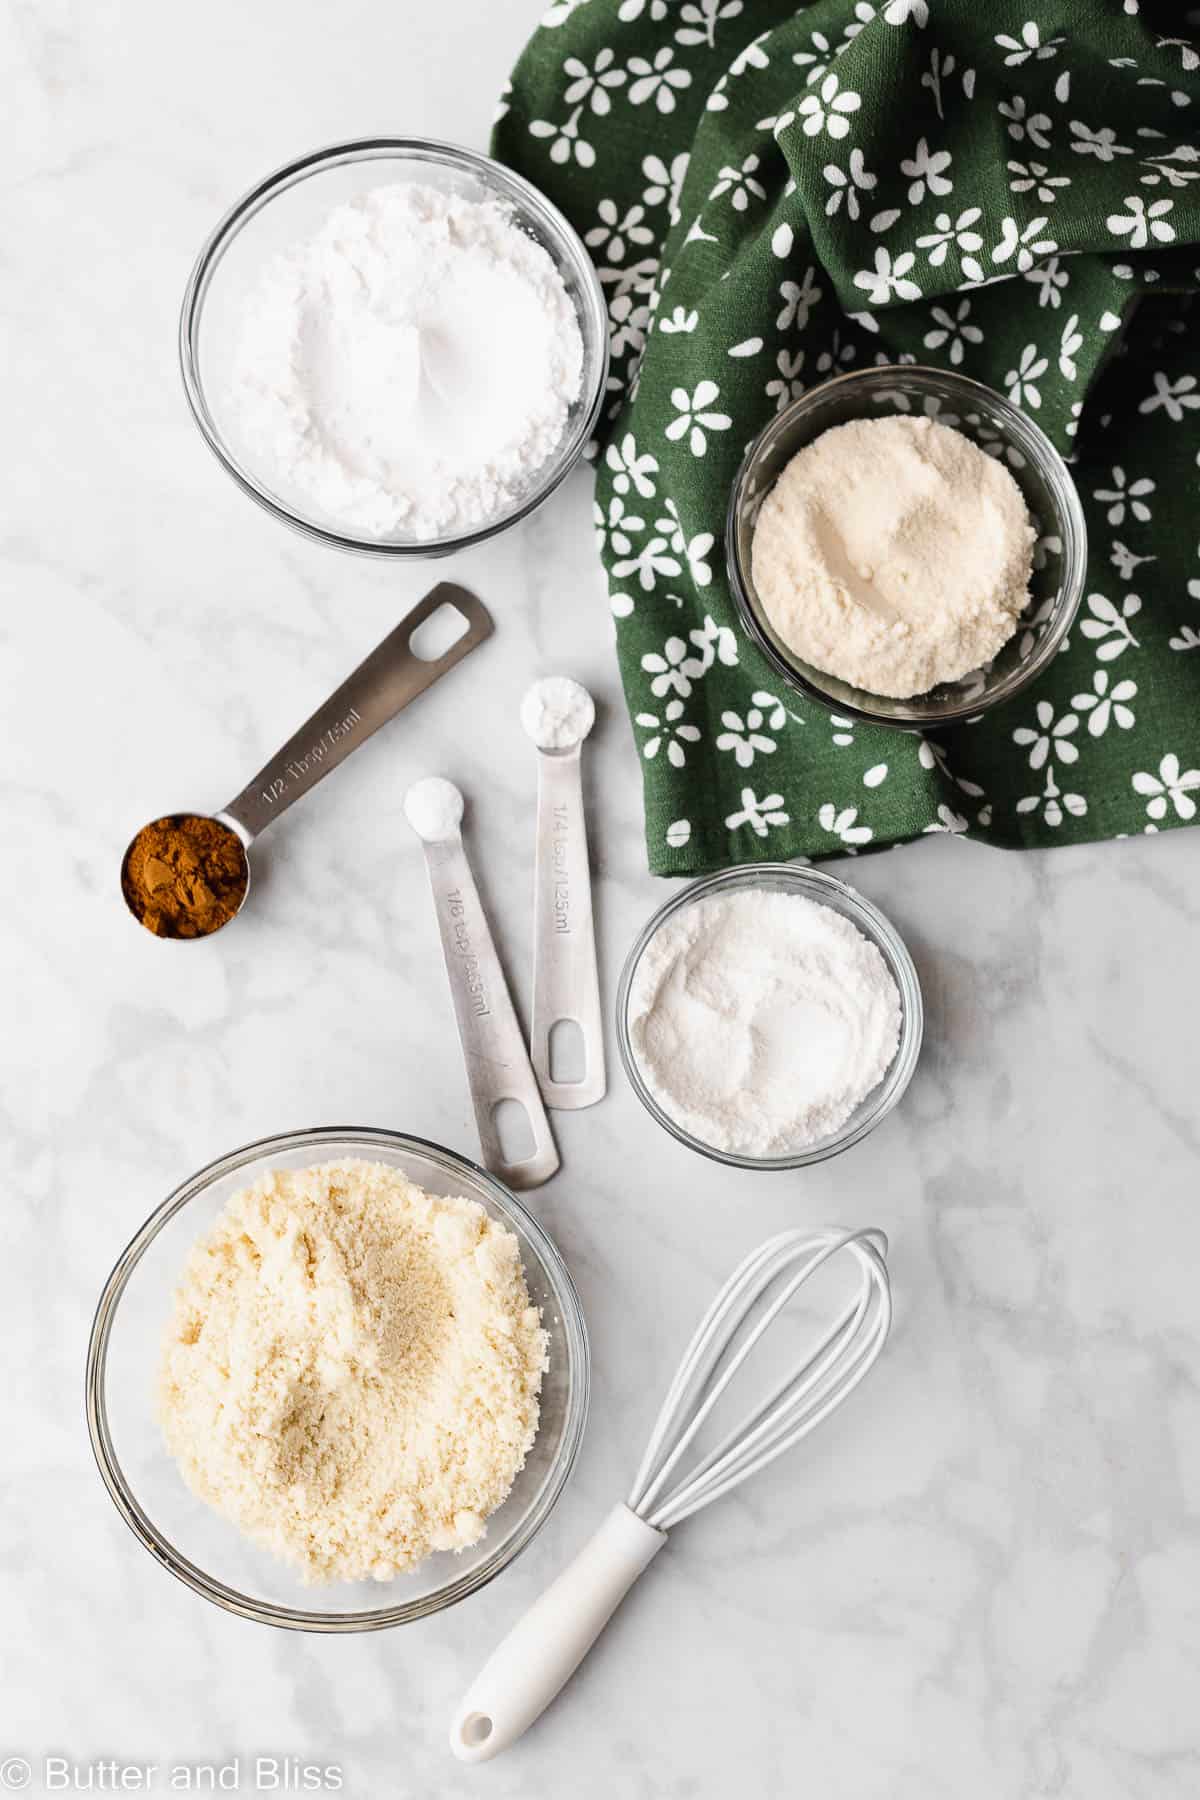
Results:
<point x="905" y="546"/>
<point x="769" y="1016"/>
<point x="338" y="1380"/>
<point x="396" y="346"/>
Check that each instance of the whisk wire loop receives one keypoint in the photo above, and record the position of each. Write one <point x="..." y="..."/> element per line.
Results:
<point x="829" y="1372"/>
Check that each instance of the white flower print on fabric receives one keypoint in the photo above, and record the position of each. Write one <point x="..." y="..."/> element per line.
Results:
<point x="843" y="730"/>
<point x="947" y="820"/>
<point x="716" y="644"/>
<point x="798" y="302"/>
<point x="759" y="815"/>
<point x="614" y="232"/>
<point x="1024" y="245"/>
<point x="1109" y="628"/>
<point x="696" y="415"/>
<point x="1069" y="347"/>
<point x="657" y="80"/>
<point x="1035" y="177"/>
<point x="1028" y="44"/>
<point x="566" y="142"/>
<point x="787" y="385"/>
<point x="826" y="109"/>
<point x="1107" y="705"/>
<point x="875" y="776"/>
<point x="1023" y="124"/>
<point x="695" y="551"/>
<point x="679" y="321"/>
<point x="961" y="233"/>
<point x="815" y="61"/>
<point x="1052" y="803"/>
<point x="1173" y="396"/>
<point x="940" y="69"/>
<point x="740" y="184"/>
<point x="842" y="824"/>
<point x="747" y="347"/>
<point x="926" y="168"/>
<point x="1141" y="222"/>
<point x="1122" y="494"/>
<point x="679" y="833"/>
<point x="1049" y="278"/>
<point x="1124" y="561"/>
<point x="615" y="525"/>
<point x="834" y="358"/>
<point x="900" y="12"/>
<point x="622" y="605"/>
<point x="633" y="9"/>
<point x="667" y="730"/>
<point x="888" y="277"/>
<point x="652" y="560"/>
<point x="669" y="670"/>
<point x="591" y="86"/>
<point x="699" y="20"/>
<point x="848" y="184"/>
<point x="1021" y="382"/>
<point x="1188" y="638"/>
<point x="953" y="329"/>
<point x="665" y="182"/>
<point x="1172" y="786"/>
<point x="560" y="12"/>
<point x="1050" y="734"/>
<point x="1101" y="144"/>
<point x="746" y="737"/>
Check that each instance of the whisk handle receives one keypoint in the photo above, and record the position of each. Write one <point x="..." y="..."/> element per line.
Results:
<point x="545" y="1647"/>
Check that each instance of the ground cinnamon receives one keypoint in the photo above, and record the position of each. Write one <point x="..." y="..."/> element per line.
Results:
<point x="185" y="876"/>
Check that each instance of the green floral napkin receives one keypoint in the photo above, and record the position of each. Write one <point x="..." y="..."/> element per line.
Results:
<point x="775" y="194"/>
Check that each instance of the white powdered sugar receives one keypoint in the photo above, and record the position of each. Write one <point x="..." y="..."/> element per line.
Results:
<point x="894" y="554"/>
<point x="410" y="367"/>
<point x="434" y="809"/>
<point x="761" y="1019"/>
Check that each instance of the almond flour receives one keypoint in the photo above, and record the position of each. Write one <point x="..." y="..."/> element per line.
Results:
<point x="351" y="1374"/>
<point x="894" y="554"/>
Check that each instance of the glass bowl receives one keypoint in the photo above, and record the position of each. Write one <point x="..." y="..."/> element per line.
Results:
<point x="1060" y="557"/>
<point x="827" y="890"/>
<point x="208" y="1552"/>
<point x="293" y="202"/>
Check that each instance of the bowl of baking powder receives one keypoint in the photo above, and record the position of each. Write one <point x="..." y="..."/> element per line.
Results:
<point x="396" y="346"/>
<point x="769" y="1016"/>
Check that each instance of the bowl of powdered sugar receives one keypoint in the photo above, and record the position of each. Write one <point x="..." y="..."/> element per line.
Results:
<point x="769" y="1016"/>
<point x="338" y="1380"/>
<point x="396" y="346"/>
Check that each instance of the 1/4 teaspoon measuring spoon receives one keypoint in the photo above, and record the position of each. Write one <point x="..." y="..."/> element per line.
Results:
<point x="558" y="714"/>
<point x="391" y="676"/>
<point x="498" y="1067"/>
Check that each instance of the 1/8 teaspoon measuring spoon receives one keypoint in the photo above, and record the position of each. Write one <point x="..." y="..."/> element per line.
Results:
<point x="391" y="676"/>
<point x="498" y="1067"/>
<point x="558" y="714"/>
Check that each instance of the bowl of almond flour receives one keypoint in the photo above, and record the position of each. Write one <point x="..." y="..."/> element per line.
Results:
<point x="396" y="346"/>
<point x="905" y="546"/>
<point x="338" y="1380"/>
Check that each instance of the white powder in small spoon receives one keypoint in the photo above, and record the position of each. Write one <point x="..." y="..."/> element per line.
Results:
<point x="894" y="554"/>
<point x="761" y="1019"/>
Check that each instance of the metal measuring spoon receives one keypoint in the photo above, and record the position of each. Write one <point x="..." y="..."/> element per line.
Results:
<point x="493" y="1048"/>
<point x="558" y="714"/>
<point x="391" y="676"/>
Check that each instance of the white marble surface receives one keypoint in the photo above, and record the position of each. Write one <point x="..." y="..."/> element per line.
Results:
<point x="981" y="1579"/>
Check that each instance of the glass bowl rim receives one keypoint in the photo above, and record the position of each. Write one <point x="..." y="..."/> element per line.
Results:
<point x="1051" y="466"/>
<point x="372" y="149"/>
<point x="265" y="1612"/>
<point x="876" y="927"/>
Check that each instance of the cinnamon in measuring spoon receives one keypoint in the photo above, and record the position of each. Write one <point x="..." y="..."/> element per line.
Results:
<point x="185" y="876"/>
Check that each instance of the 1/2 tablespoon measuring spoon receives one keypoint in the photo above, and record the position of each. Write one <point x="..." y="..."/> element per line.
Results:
<point x="558" y="714"/>
<point x="391" y="676"/>
<point x="493" y="1048"/>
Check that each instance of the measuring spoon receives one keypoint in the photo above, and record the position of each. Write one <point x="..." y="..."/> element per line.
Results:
<point x="391" y="676"/>
<point x="493" y="1048"/>
<point x="558" y="714"/>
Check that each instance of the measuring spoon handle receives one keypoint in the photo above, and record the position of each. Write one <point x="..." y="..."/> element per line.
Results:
<point x="386" y="681"/>
<point x="493" y="1048"/>
<point x="565" y="981"/>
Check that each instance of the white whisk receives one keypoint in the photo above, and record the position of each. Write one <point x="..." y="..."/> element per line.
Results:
<point x="545" y="1647"/>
